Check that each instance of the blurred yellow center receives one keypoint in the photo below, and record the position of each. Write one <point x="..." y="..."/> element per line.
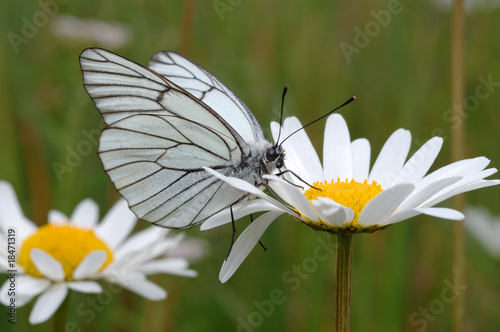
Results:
<point x="352" y="194"/>
<point x="66" y="243"/>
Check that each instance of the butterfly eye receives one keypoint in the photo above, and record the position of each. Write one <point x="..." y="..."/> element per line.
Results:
<point x="271" y="154"/>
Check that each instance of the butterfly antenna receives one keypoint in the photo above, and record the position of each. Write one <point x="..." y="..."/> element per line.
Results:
<point x="285" y="89"/>
<point x="321" y="117"/>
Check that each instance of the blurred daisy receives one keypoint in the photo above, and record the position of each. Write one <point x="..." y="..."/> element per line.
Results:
<point x="485" y="228"/>
<point x="346" y="196"/>
<point x="71" y="253"/>
<point x="111" y="35"/>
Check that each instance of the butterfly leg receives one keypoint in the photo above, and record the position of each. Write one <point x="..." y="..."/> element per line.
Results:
<point x="234" y="230"/>
<point x="298" y="177"/>
<point x="251" y="221"/>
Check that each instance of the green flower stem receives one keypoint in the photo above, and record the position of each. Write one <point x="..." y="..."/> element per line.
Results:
<point x="60" y="316"/>
<point x="343" y="287"/>
<point x="458" y="142"/>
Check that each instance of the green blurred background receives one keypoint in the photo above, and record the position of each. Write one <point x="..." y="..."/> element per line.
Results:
<point x="400" y="74"/>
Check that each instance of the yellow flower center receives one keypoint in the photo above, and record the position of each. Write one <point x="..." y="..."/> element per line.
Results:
<point x="66" y="243"/>
<point x="352" y="194"/>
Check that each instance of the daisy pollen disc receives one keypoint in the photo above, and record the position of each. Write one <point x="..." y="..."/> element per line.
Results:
<point x="350" y="193"/>
<point x="66" y="243"/>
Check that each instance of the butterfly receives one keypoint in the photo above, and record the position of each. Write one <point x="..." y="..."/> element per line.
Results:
<point x="164" y="123"/>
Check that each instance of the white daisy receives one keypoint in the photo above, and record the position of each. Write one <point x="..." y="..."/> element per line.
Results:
<point x="107" y="34"/>
<point x="71" y="253"/>
<point x="485" y="227"/>
<point x="352" y="198"/>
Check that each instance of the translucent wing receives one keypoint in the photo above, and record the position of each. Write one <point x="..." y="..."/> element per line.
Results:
<point x="204" y="86"/>
<point x="157" y="139"/>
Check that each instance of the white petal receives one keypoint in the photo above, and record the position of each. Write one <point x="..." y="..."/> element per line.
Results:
<point x="11" y="214"/>
<point x="440" y="212"/>
<point x="360" y="150"/>
<point x="293" y="196"/>
<point x="22" y="300"/>
<point x="86" y="214"/>
<point x="47" y="304"/>
<point x="245" y="243"/>
<point x="47" y="265"/>
<point x="191" y="249"/>
<point x="240" y="210"/>
<point x="286" y="188"/>
<point x="4" y="290"/>
<point x="436" y="212"/>
<point x="245" y="186"/>
<point x="420" y="195"/>
<point x="484" y="227"/>
<point x="474" y="165"/>
<point x="31" y="286"/>
<point x="140" y="249"/>
<point x="420" y="163"/>
<point x="384" y="204"/>
<point x="117" y="224"/>
<point x="57" y="217"/>
<point x="391" y="158"/>
<point x="132" y="259"/>
<point x="85" y="286"/>
<point x="399" y="216"/>
<point x="27" y="287"/>
<point x="162" y="246"/>
<point x="140" y="241"/>
<point x="474" y="179"/>
<point x="90" y="264"/>
<point x="301" y="157"/>
<point x="471" y="181"/>
<point x="331" y="212"/>
<point x="144" y="288"/>
<point x="221" y="218"/>
<point x="128" y="262"/>
<point x="469" y="187"/>
<point x="175" y="266"/>
<point x="463" y="168"/>
<point x="281" y="185"/>
<point x="337" y="159"/>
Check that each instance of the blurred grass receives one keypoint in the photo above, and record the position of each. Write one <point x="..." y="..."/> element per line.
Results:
<point x="401" y="79"/>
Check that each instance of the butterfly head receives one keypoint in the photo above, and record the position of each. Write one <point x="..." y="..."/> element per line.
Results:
<point x="276" y="155"/>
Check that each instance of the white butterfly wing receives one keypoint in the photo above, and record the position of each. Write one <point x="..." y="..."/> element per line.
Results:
<point x="204" y="86"/>
<point x="157" y="139"/>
